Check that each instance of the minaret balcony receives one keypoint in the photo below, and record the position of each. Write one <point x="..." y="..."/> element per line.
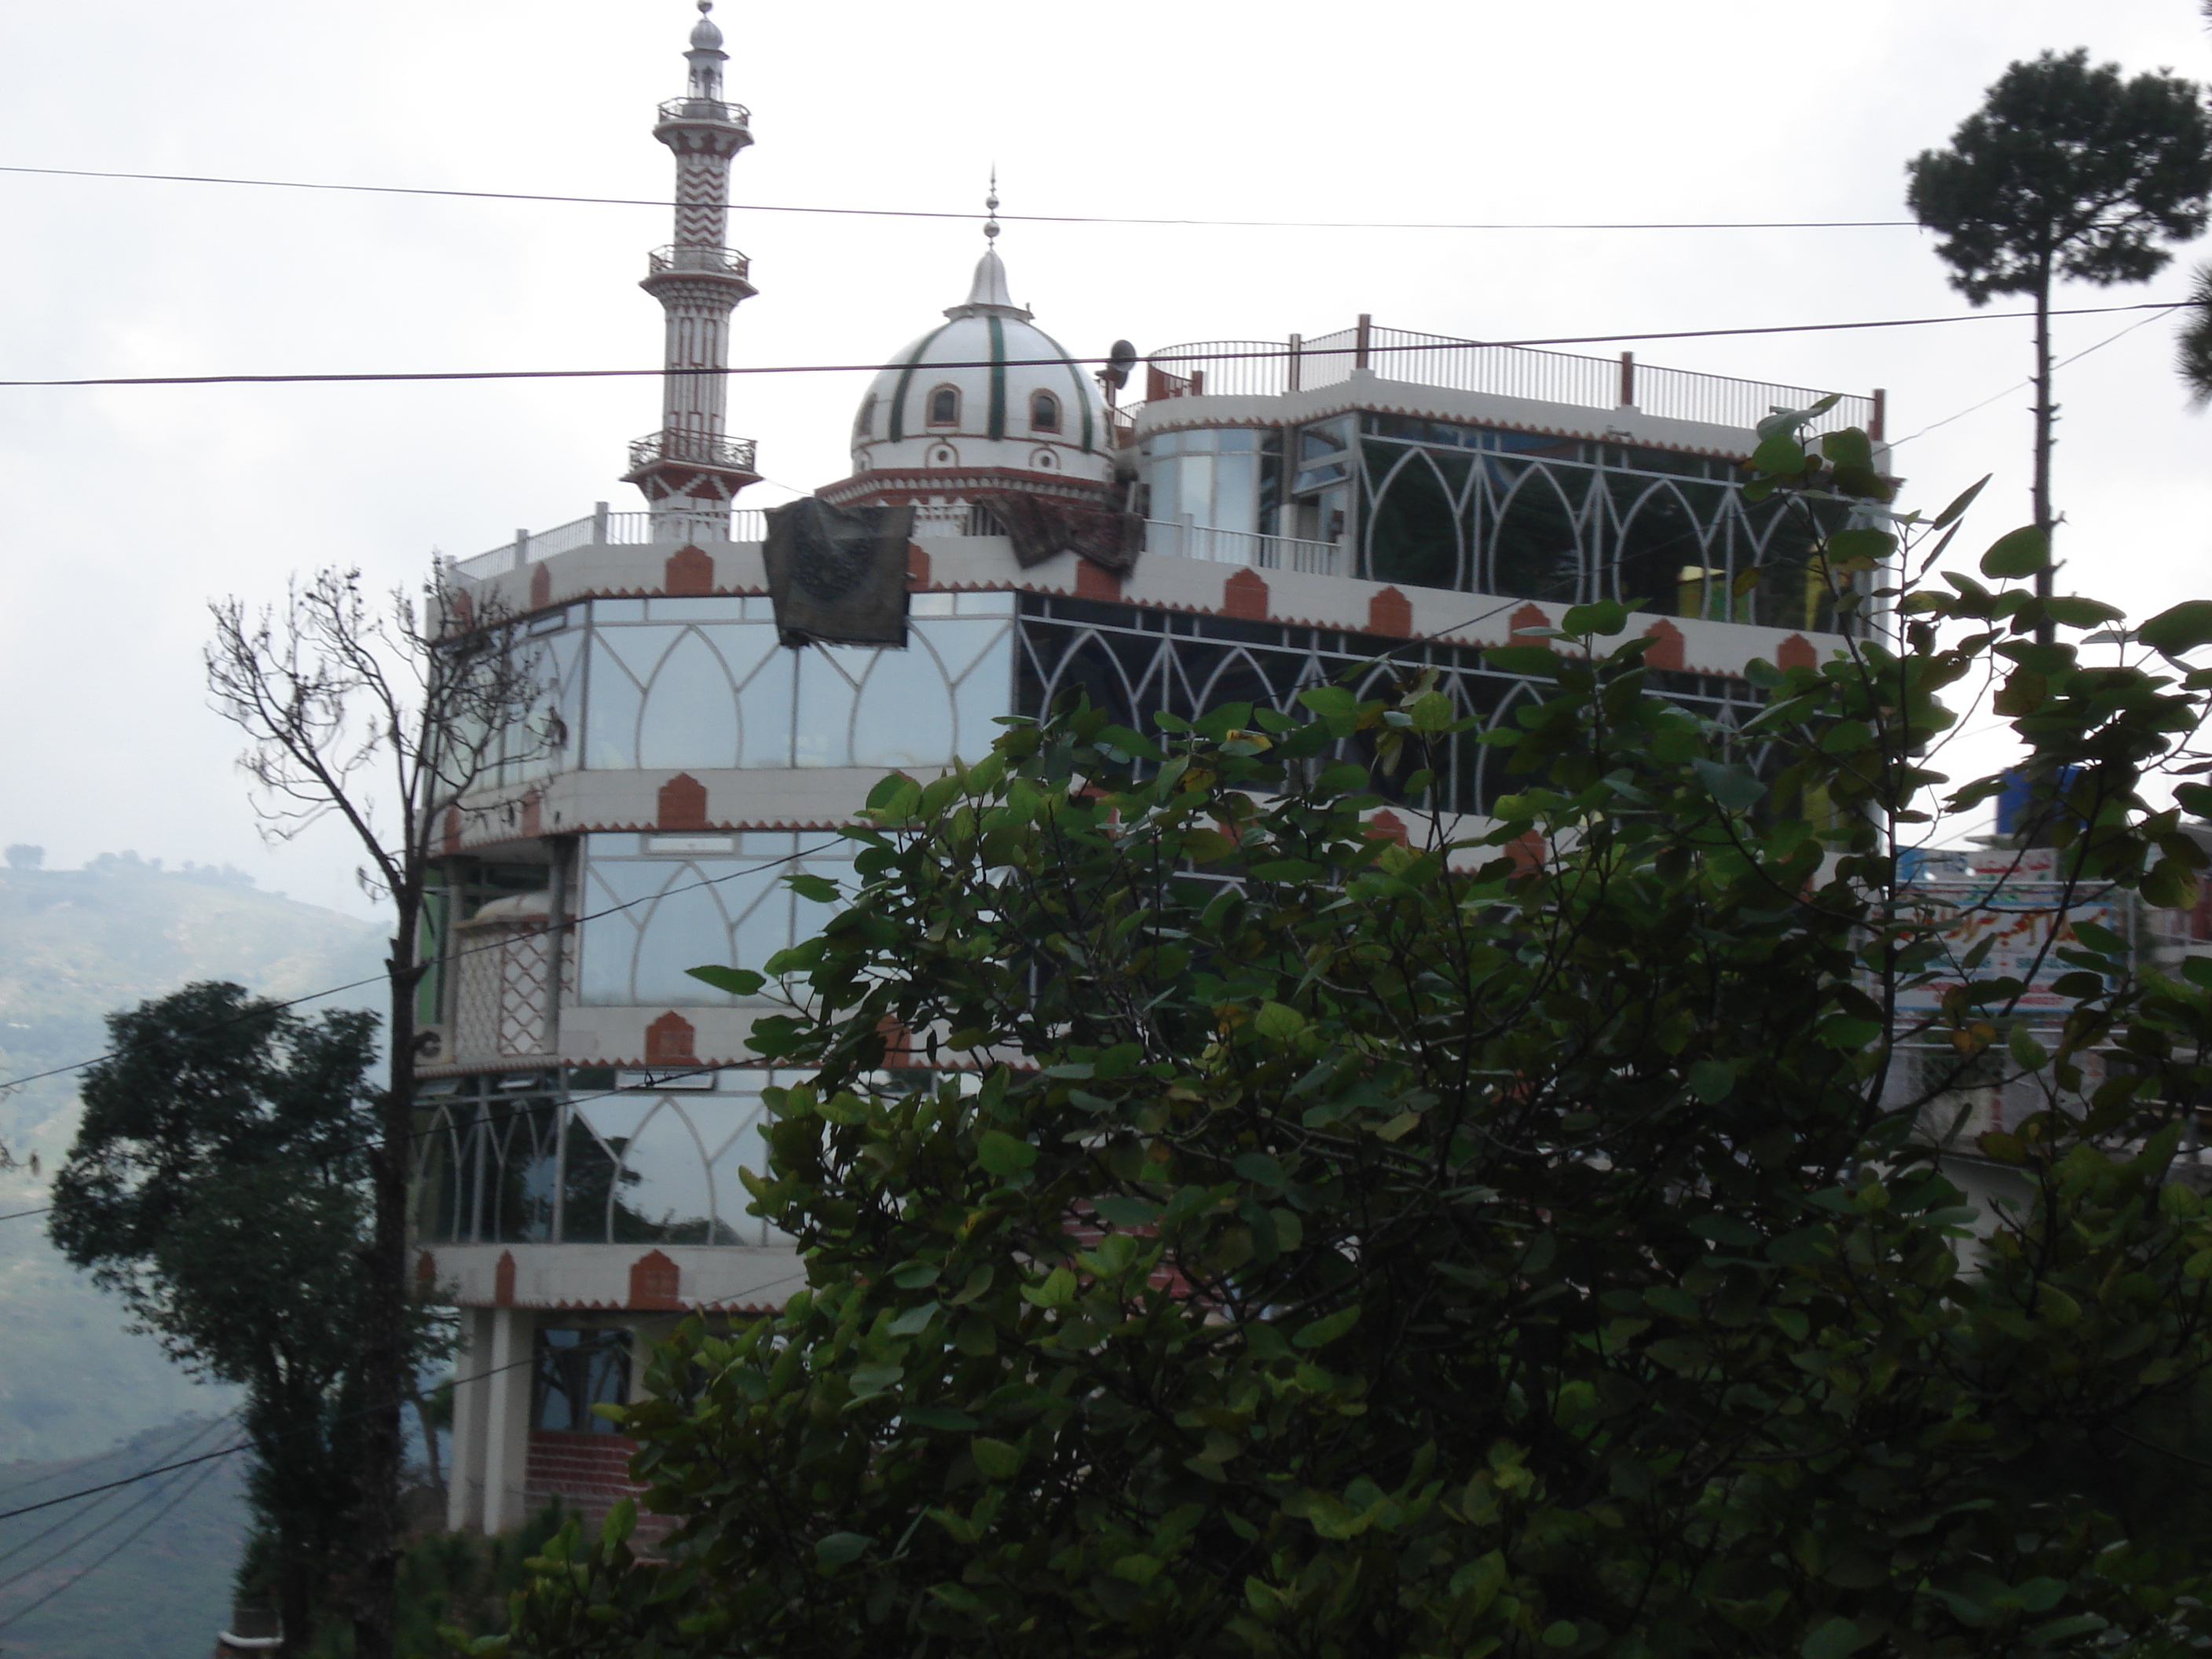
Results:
<point x="709" y="261"/>
<point x="699" y="449"/>
<point x="717" y="110"/>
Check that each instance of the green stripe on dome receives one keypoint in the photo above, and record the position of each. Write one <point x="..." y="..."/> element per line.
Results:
<point x="1082" y="397"/>
<point x="906" y="380"/>
<point x="998" y="428"/>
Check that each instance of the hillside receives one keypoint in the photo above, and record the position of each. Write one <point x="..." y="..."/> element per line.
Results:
<point x="164" y="1593"/>
<point x="75" y="945"/>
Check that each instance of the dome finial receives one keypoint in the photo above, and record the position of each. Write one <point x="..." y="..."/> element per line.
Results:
<point x="705" y="37"/>
<point x="991" y="208"/>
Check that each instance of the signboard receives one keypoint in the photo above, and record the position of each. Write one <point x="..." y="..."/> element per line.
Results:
<point x="2012" y="899"/>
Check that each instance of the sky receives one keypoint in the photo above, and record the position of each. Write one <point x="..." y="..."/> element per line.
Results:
<point x="123" y="511"/>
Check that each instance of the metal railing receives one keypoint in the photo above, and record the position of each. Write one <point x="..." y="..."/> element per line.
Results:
<point x="1189" y="540"/>
<point x="1268" y="367"/>
<point x="714" y="261"/>
<point x="602" y="528"/>
<point x="706" y="109"/>
<point x="693" y="448"/>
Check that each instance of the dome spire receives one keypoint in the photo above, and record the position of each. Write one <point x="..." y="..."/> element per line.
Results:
<point x="706" y="56"/>
<point x="988" y="295"/>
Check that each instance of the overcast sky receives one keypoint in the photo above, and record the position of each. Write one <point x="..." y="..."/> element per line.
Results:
<point x="122" y="511"/>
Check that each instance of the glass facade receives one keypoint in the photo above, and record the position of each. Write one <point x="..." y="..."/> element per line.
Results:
<point x="539" y="1158"/>
<point x="1212" y="478"/>
<point x="702" y="683"/>
<point x="666" y="911"/>
<point x="1137" y="662"/>
<point x="1522" y="515"/>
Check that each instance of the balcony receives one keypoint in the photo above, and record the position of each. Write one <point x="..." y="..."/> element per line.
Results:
<point x="711" y="261"/>
<point x="1189" y="540"/>
<point x="693" y="449"/>
<point x="706" y="109"/>
<point x="1271" y="368"/>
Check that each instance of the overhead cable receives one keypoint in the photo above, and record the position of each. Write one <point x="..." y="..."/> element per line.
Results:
<point x="969" y="215"/>
<point x="1265" y="354"/>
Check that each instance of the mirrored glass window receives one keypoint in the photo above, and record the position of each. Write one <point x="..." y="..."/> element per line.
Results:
<point x="577" y="1370"/>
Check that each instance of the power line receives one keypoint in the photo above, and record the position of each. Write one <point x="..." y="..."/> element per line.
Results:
<point x="82" y="1538"/>
<point x="2016" y="386"/>
<point x="246" y="1445"/>
<point x="116" y="1549"/>
<point x="1267" y="354"/>
<point x="260" y="1009"/>
<point x="974" y="217"/>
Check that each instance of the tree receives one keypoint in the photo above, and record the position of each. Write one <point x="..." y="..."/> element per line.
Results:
<point x="219" y="1183"/>
<point x="380" y="720"/>
<point x="24" y="856"/>
<point x="1233" y="1230"/>
<point x="2065" y="170"/>
<point x="2193" y="348"/>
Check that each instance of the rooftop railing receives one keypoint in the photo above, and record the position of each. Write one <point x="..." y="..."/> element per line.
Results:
<point x="717" y="261"/>
<point x="601" y="528"/>
<point x="706" y="109"/>
<point x="1269" y="367"/>
<point x="1190" y="540"/>
<point x="693" y="448"/>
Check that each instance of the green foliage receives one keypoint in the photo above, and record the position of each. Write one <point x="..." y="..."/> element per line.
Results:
<point x="217" y="1185"/>
<point x="453" y="1588"/>
<point x="2067" y="171"/>
<point x="1293" y="1241"/>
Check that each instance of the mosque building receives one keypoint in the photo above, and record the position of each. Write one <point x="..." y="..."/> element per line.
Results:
<point x="1266" y="516"/>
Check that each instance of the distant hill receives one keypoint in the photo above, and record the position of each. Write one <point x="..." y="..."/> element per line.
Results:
<point x="75" y="945"/>
<point x="162" y="1594"/>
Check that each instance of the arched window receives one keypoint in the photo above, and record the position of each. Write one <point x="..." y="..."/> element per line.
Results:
<point x="1044" y="412"/>
<point x="945" y="406"/>
<point x="864" y="424"/>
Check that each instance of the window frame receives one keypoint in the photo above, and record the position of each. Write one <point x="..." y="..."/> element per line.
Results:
<point x="929" y="406"/>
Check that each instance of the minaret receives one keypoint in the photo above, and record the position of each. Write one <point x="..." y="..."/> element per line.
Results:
<point x="689" y="469"/>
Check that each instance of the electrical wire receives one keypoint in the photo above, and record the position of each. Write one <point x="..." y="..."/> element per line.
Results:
<point x="261" y="1008"/>
<point x="968" y="214"/>
<point x="75" y="1466"/>
<point x="1270" y="352"/>
<point x="120" y="1545"/>
<point x="246" y="1445"/>
<point x="81" y="1539"/>
<point x="2017" y="384"/>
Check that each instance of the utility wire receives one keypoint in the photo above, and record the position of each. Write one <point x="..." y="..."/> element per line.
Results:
<point x="971" y="215"/>
<point x="82" y="1538"/>
<point x="2016" y="386"/>
<point x="77" y="1466"/>
<point x="247" y="1445"/>
<point x="1265" y="354"/>
<point x="109" y="1554"/>
<point x="262" y="1008"/>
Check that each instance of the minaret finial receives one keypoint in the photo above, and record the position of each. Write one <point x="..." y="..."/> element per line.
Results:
<point x="991" y="208"/>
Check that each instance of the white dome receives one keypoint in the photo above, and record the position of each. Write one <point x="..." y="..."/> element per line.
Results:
<point x="987" y="387"/>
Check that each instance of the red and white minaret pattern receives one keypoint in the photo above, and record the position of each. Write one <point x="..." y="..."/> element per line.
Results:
<point x="691" y="468"/>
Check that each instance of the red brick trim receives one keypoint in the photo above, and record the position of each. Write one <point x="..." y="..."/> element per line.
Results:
<point x="683" y="803"/>
<point x="655" y="1281"/>
<point x="1245" y="595"/>
<point x="1095" y="581"/>
<point x="671" y="1038"/>
<point x="1390" y="612"/>
<point x="690" y="571"/>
